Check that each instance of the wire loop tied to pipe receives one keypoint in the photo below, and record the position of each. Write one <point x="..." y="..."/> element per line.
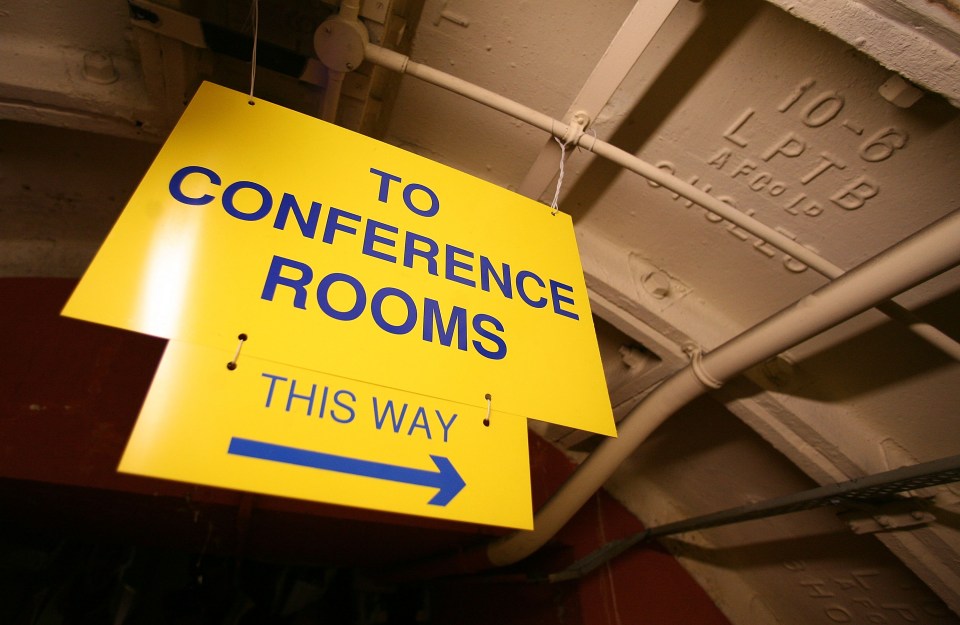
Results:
<point x="696" y="364"/>
<point x="556" y="195"/>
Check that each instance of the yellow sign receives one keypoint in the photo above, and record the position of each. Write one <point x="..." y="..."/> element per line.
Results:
<point x="279" y="430"/>
<point x="345" y="255"/>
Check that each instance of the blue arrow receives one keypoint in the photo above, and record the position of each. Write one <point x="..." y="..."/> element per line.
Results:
<point x="444" y="478"/>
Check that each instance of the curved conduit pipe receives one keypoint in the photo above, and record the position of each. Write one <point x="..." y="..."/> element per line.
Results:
<point x="916" y="259"/>
<point x="574" y="134"/>
<point x="910" y="262"/>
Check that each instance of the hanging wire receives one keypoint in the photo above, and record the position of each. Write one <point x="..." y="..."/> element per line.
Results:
<point x="253" y="55"/>
<point x="556" y="194"/>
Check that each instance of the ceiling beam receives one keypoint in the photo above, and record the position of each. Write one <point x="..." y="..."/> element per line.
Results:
<point x="635" y="34"/>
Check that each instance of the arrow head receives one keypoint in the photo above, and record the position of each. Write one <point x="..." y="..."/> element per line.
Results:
<point x="448" y="481"/>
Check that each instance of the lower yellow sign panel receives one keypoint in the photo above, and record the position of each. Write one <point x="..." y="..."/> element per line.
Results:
<point x="280" y="430"/>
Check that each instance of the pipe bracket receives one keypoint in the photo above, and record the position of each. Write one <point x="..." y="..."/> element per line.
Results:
<point x="340" y="43"/>
<point x="696" y="364"/>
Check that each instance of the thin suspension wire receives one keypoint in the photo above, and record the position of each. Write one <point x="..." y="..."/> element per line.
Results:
<point x="556" y="196"/>
<point x="253" y="55"/>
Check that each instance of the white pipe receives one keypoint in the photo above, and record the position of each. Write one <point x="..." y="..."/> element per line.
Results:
<point x="350" y="9"/>
<point x="813" y="260"/>
<point x="914" y="260"/>
<point x="401" y="63"/>
<point x="331" y="96"/>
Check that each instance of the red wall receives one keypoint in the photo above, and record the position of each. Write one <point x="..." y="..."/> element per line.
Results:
<point x="69" y="395"/>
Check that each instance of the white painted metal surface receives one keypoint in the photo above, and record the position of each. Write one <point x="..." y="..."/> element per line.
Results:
<point x="793" y="112"/>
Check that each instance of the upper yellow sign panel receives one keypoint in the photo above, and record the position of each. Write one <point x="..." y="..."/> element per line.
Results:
<point x="341" y="254"/>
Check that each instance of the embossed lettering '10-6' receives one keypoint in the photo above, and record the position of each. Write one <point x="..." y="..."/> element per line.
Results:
<point x="850" y="196"/>
<point x="815" y="111"/>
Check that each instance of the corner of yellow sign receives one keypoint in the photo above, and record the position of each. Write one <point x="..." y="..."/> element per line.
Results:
<point x="612" y="432"/>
